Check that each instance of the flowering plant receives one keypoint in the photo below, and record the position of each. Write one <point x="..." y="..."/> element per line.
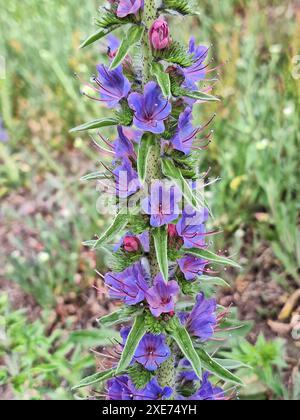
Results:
<point x="160" y="267"/>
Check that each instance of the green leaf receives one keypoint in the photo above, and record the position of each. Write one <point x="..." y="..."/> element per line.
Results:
<point x="117" y="317"/>
<point x="200" y="96"/>
<point x="162" y="78"/>
<point x="231" y="364"/>
<point x="95" y="379"/>
<point x="213" y="281"/>
<point x="183" y="7"/>
<point x="143" y="153"/>
<point x="93" y="175"/>
<point x="101" y="33"/>
<point x="184" y="341"/>
<point x="210" y="256"/>
<point x="132" y="37"/>
<point x="136" y="334"/>
<point x="119" y="223"/>
<point x="92" y="125"/>
<point x="174" y="173"/>
<point x="176" y="54"/>
<point x="160" y="236"/>
<point x="214" y="367"/>
<point x="90" y="338"/>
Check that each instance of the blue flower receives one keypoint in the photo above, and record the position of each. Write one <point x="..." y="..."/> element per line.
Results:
<point x="162" y="296"/>
<point x="129" y="286"/>
<point x="129" y="7"/>
<point x="191" y="227"/>
<point x="208" y="392"/>
<point x="152" y="350"/>
<point x="113" y="85"/>
<point x="163" y="203"/>
<point x="191" y="266"/>
<point x="127" y="181"/>
<point x="186" y="133"/>
<point x="150" y="109"/>
<point x="154" y="392"/>
<point x="202" y="320"/>
<point x="123" y="146"/>
<point x="197" y="71"/>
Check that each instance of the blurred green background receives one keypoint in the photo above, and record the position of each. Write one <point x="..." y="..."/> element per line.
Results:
<point x="47" y="300"/>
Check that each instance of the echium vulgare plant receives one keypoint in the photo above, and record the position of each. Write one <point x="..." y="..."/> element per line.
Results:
<point x="160" y="268"/>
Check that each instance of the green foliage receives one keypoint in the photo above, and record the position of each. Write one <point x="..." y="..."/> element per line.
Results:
<point x="267" y="359"/>
<point x="119" y="223"/>
<point x="139" y="376"/>
<point x="175" y="54"/>
<point x="133" y="37"/>
<point x="120" y="260"/>
<point x="160" y="236"/>
<point x="183" y="7"/>
<point x="38" y="365"/>
<point x="162" y="78"/>
<point x="210" y="256"/>
<point x="93" y="125"/>
<point x="143" y="154"/>
<point x="154" y="325"/>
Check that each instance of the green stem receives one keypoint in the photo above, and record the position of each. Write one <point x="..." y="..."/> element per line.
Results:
<point x="166" y="372"/>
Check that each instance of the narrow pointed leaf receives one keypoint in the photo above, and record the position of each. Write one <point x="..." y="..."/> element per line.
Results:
<point x="93" y="175"/>
<point x="214" y="367"/>
<point x="210" y="256"/>
<point x="95" y="379"/>
<point x="162" y="78"/>
<point x="92" y="125"/>
<point x="144" y="150"/>
<point x="174" y="173"/>
<point x="94" y="37"/>
<point x="132" y="37"/>
<point x="136" y="334"/>
<point x="213" y="281"/>
<point x="184" y="341"/>
<point x="160" y="236"/>
<point x="119" y="223"/>
<point x="200" y="96"/>
<point x="117" y="317"/>
<point x="231" y="364"/>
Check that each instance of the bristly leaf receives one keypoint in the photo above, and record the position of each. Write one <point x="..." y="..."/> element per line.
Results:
<point x="184" y="341"/>
<point x="93" y="125"/>
<point x="183" y="7"/>
<point x="118" y="317"/>
<point x="176" y="54"/>
<point x="162" y="78"/>
<point x="94" y="175"/>
<point x="210" y="256"/>
<point x="136" y="334"/>
<point x="200" y="96"/>
<point x="174" y="173"/>
<point x="160" y="236"/>
<point x="119" y="223"/>
<point x="214" y="367"/>
<point x="110" y="20"/>
<point x="143" y="153"/>
<point x="101" y="33"/>
<point x="95" y="379"/>
<point x="133" y="36"/>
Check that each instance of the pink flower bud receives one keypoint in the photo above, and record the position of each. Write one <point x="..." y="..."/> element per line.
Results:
<point x="131" y="244"/>
<point x="160" y="34"/>
<point x="172" y="231"/>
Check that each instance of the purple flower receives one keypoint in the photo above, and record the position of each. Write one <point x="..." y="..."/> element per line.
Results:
<point x="159" y="34"/>
<point x="207" y="391"/>
<point x="150" y="109"/>
<point x="123" y="146"/>
<point x="133" y="135"/>
<point x="152" y="351"/>
<point x="197" y="71"/>
<point x="186" y="133"/>
<point x="119" y="389"/>
<point x="154" y="392"/>
<point x="127" y="181"/>
<point x="191" y="227"/>
<point x="129" y="286"/>
<point x="202" y="320"/>
<point x="191" y="266"/>
<point x="162" y="296"/>
<point x="3" y="133"/>
<point x="163" y="203"/>
<point x="129" y="7"/>
<point x="186" y="374"/>
<point x="113" y="46"/>
<point x="113" y="85"/>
